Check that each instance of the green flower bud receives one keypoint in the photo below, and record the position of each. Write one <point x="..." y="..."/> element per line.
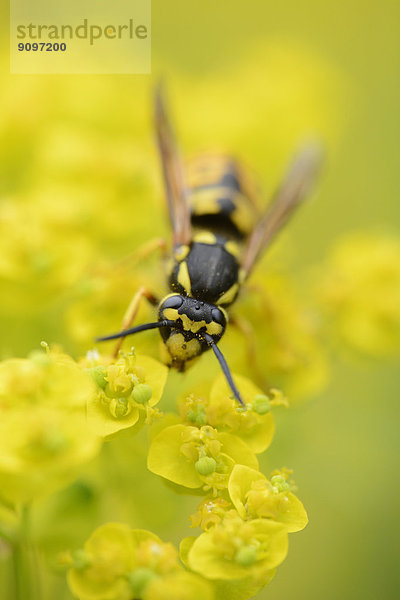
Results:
<point x="142" y="393"/>
<point x="206" y="465"/>
<point x="246" y="556"/>
<point x="261" y="404"/>
<point x="99" y="374"/>
<point x="140" y="579"/>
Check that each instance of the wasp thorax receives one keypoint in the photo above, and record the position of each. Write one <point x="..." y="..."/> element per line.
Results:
<point x="193" y="320"/>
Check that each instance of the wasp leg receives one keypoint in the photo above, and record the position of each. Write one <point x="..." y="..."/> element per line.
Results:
<point x="132" y="311"/>
<point x="143" y="252"/>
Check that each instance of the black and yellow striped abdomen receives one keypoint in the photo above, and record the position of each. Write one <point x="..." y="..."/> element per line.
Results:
<point x="221" y="196"/>
<point x="222" y="215"/>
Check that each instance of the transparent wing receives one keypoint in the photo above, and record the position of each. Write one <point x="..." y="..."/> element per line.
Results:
<point x="176" y="190"/>
<point x="291" y="193"/>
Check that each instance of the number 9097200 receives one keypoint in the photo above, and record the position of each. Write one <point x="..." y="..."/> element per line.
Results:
<point x="42" y="47"/>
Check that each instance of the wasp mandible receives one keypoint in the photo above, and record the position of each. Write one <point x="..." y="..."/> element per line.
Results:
<point x="218" y="235"/>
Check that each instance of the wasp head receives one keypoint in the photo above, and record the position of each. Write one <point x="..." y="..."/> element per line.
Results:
<point x="194" y="323"/>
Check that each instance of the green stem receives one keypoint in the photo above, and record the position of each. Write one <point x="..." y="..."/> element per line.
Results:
<point x="25" y="571"/>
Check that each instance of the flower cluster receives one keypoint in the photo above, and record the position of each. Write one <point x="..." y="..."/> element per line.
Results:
<point x="44" y="438"/>
<point x="56" y="412"/>
<point x="55" y="415"/>
<point x="245" y="517"/>
<point x="119" y="563"/>
<point x="209" y="449"/>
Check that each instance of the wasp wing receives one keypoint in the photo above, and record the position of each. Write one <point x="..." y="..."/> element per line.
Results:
<point x="293" y="190"/>
<point x="176" y="190"/>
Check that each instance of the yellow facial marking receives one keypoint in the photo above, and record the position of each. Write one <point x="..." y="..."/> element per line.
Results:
<point x="205" y="237"/>
<point x="194" y="326"/>
<point x="213" y="328"/>
<point x="184" y="278"/>
<point x="229" y="295"/>
<point x="181" y="349"/>
<point x="233" y="248"/>
<point x="190" y="325"/>
<point x="181" y="252"/>
<point x="171" y="314"/>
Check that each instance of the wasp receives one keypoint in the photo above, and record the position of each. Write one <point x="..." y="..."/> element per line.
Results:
<point x="218" y="236"/>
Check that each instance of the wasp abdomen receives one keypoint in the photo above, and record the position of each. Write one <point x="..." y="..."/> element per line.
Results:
<point x="221" y="196"/>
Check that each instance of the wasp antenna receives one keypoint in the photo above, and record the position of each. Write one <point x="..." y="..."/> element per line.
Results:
<point x="137" y="329"/>
<point x="224" y="367"/>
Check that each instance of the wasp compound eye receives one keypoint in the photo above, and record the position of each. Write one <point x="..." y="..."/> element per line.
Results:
<point x="218" y="316"/>
<point x="173" y="302"/>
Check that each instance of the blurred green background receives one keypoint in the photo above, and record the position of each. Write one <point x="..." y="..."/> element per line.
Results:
<point x="80" y="188"/>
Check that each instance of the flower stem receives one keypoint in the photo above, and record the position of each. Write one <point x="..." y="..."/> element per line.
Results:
<point x="25" y="575"/>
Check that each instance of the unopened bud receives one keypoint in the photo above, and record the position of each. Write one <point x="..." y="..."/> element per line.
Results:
<point x="206" y="465"/>
<point x="261" y="404"/>
<point x="142" y="393"/>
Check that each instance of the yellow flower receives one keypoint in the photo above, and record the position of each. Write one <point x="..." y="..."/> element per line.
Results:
<point x="42" y="449"/>
<point x="118" y="563"/>
<point x="254" y="424"/>
<point x="210" y="512"/>
<point x="196" y="458"/>
<point x="126" y="392"/>
<point x="99" y="572"/>
<point x="255" y="497"/>
<point x="44" y="437"/>
<point x="44" y="379"/>
<point x="236" y="549"/>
